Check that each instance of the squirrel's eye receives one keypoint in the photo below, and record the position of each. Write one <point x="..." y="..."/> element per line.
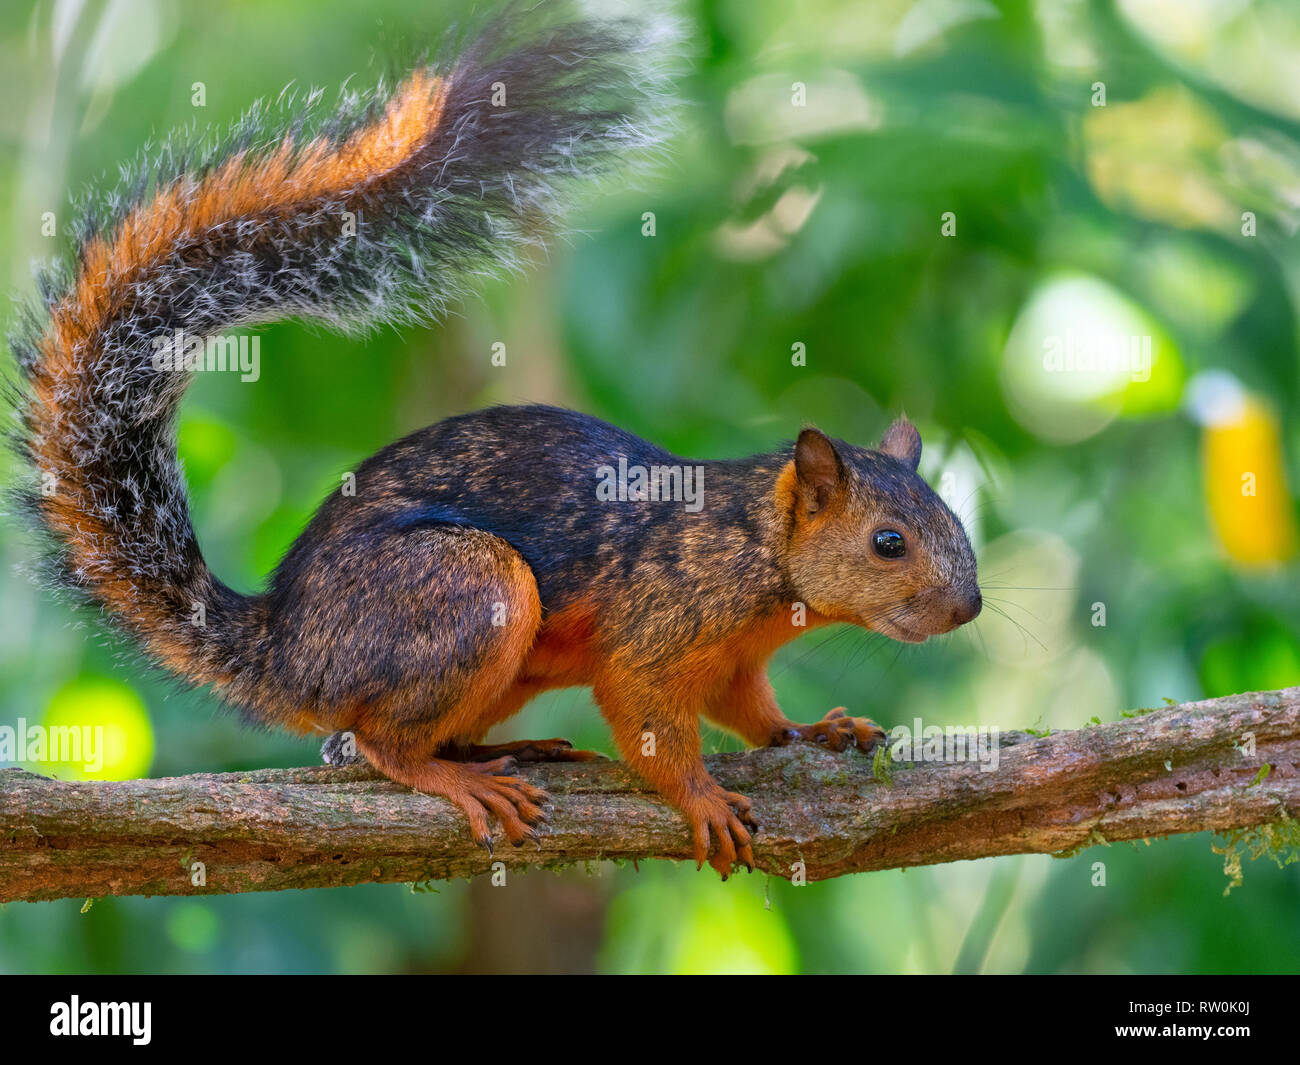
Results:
<point x="889" y="543"/>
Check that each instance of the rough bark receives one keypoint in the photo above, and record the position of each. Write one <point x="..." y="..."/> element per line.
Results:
<point x="1186" y="768"/>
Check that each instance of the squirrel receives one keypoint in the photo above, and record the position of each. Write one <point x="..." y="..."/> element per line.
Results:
<point x="476" y="564"/>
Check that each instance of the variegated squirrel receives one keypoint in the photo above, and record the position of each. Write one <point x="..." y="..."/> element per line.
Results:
<point x="475" y="565"/>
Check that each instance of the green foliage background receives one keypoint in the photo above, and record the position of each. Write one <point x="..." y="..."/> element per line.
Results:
<point x="774" y="226"/>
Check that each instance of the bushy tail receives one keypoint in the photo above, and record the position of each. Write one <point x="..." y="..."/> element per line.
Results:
<point x="379" y="211"/>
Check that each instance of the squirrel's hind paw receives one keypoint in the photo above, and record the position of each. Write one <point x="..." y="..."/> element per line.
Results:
<point x="482" y="790"/>
<point x="721" y="822"/>
<point x="513" y="801"/>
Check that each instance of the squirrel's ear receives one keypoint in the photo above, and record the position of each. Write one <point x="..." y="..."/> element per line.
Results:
<point x="903" y="442"/>
<point x="818" y="467"/>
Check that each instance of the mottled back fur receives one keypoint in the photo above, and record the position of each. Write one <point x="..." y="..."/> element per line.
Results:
<point x="442" y="185"/>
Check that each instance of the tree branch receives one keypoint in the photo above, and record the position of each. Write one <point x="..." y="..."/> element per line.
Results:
<point x="1187" y="768"/>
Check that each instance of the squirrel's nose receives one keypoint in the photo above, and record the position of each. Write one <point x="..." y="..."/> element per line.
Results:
<point x="967" y="608"/>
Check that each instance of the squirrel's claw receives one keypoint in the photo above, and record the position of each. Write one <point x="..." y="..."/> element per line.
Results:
<point x="720" y="822"/>
<point x="838" y="731"/>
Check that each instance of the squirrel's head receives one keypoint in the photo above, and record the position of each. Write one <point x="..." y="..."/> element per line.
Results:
<point x="871" y="543"/>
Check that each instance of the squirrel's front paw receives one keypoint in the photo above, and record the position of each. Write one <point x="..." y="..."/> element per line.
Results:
<point x="722" y="822"/>
<point x="837" y="731"/>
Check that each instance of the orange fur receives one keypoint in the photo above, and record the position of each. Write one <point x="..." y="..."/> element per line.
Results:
<point x="179" y="213"/>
